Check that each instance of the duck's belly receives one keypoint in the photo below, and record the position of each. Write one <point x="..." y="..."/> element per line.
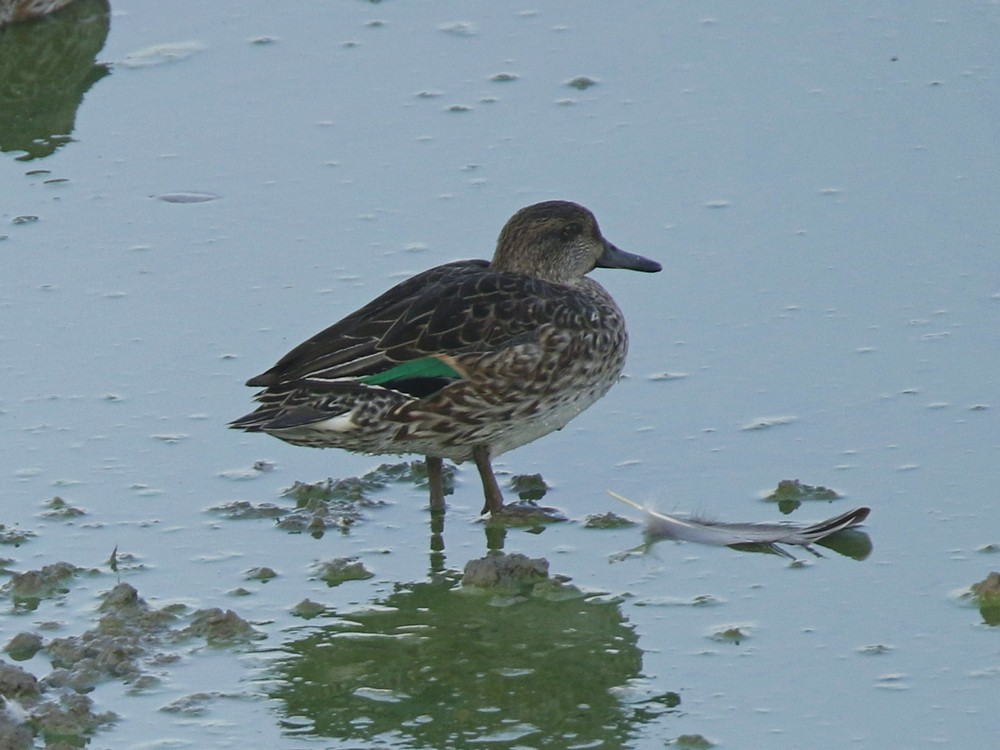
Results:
<point x="554" y="416"/>
<point x="508" y="416"/>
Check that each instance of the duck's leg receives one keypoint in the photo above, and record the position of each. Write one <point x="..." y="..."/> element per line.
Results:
<point x="491" y="490"/>
<point x="435" y="483"/>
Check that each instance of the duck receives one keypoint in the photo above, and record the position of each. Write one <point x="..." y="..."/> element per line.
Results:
<point x="464" y="361"/>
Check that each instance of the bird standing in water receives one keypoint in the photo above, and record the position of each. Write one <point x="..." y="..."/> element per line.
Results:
<point x="464" y="361"/>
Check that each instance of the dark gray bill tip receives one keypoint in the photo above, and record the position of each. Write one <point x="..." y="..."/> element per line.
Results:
<point x="613" y="257"/>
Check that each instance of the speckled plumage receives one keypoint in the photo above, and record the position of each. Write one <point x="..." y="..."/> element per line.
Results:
<point x="463" y="361"/>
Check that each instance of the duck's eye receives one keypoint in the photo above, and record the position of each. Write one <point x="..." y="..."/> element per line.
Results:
<point x="571" y="231"/>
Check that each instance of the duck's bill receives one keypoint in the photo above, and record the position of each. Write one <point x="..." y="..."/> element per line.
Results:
<point x="613" y="257"/>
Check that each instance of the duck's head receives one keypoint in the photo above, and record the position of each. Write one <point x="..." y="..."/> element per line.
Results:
<point x="559" y="241"/>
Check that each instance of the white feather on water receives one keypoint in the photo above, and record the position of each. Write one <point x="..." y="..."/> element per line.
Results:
<point x="718" y="533"/>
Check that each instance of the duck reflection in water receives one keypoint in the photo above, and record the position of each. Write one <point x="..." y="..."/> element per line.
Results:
<point x="505" y="653"/>
<point x="47" y="63"/>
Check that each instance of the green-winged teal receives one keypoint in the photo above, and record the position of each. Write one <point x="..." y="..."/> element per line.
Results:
<point x="466" y="360"/>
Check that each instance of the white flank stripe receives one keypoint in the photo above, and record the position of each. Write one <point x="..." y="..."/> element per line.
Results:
<point x="341" y="423"/>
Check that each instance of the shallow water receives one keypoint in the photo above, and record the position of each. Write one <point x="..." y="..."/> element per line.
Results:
<point x="821" y="187"/>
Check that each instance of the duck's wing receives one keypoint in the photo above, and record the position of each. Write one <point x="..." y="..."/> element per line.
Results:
<point x="451" y="309"/>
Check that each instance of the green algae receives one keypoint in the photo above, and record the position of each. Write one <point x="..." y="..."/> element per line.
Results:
<point x="607" y="520"/>
<point x="58" y="508"/>
<point x="337" y="571"/>
<point x="14" y="537"/>
<point x="987" y="595"/>
<point x="262" y="574"/>
<point x="220" y="627"/>
<point x="26" y="590"/>
<point x="530" y="487"/>
<point x="333" y="504"/>
<point x="791" y="493"/>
